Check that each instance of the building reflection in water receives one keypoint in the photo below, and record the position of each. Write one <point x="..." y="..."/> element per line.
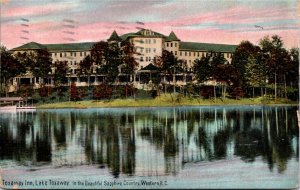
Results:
<point x="148" y="141"/>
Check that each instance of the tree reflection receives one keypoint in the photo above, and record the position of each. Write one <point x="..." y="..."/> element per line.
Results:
<point x="220" y="143"/>
<point x="249" y="144"/>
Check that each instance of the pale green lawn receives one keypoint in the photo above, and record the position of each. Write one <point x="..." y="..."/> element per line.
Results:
<point x="163" y="100"/>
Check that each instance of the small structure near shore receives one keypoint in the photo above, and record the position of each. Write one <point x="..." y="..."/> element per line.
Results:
<point x="17" y="102"/>
<point x="11" y="101"/>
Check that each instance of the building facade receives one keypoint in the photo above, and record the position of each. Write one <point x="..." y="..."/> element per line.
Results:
<point x="148" y="46"/>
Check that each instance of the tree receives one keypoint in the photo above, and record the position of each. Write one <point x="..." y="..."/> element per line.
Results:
<point x="26" y="91"/>
<point x="86" y="67"/>
<point x="103" y="91"/>
<point x="275" y="58"/>
<point x="99" y="53"/>
<point x="202" y="70"/>
<point x="41" y="65"/>
<point x="45" y="91"/>
<point x="215" y="67"/>
<point x="60" y="76"/>
<point x="292" y="71"/>
<point x="107" y="58"/>
<point x="113" y="61"/>
<point x="10" y="67"/>
<point x="74" y="94"/>
<point x="255" y="73"/>
<point x="129" y="64"/>
<point x="169" y="65"/>
<point x="244" y="51"/>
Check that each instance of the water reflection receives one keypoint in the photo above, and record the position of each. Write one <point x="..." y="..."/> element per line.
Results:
<point x="149" y="142"/>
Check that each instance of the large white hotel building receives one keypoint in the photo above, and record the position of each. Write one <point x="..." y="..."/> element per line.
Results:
<point x="148" y="45"/>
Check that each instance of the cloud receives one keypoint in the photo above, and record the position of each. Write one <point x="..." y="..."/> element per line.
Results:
<point x="216" y="22"/>
<point x="36" y="10"/>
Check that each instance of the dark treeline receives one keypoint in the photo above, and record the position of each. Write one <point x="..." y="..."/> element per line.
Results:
<point x="265" y="70"/>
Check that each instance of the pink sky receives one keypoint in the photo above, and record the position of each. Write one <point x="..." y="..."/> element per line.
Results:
<point x="227" y="22"/>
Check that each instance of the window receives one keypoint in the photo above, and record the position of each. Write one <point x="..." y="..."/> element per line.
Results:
<point x="71" y="54"/>
<point x="84" y="53"/>
<point x="154" y="59"/>
<point x="189" y="53"/>
<point x="154" y="50"/>
<point x="154" y="41"/>
<point x="60" y="55"/>
<point x="71" y="62"/>
<point x="149" y="41"/>
<point x="75" y="54"/>
<point x="180" y="53"/>
<point x="194" y="54"/>
<point x="185" y="53"/>
<point x="175" y="52"/>
<point x="80" y="54"/>
<point x="190" y="61"/>
<point x="175" y="44"/>
<point x="65" y="54"/>
<point x="171" y="44"/>
<point x="167" y="44"/>
<point x="75" y="63"/>
<point x="198" y="54"/>
<point x="141" y="59"/>
<point x="146" y="58"/>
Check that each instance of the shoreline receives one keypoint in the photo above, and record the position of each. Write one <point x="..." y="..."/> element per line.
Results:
<point x="164" y="101"/>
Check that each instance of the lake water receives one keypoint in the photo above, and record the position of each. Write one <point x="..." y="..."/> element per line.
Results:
<point x="175" y="147"/>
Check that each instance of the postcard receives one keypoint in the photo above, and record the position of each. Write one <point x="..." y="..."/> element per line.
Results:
<point x="156" y="94"/>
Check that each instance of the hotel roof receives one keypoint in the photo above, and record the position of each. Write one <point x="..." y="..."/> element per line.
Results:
<point x="30" y="46"/>
<point x="172" y="37"/>
<point x="140" y="33"/>
<point x="206" y="47"/>
<point x="114" y="37"/>
<point x="86" y="46"/>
